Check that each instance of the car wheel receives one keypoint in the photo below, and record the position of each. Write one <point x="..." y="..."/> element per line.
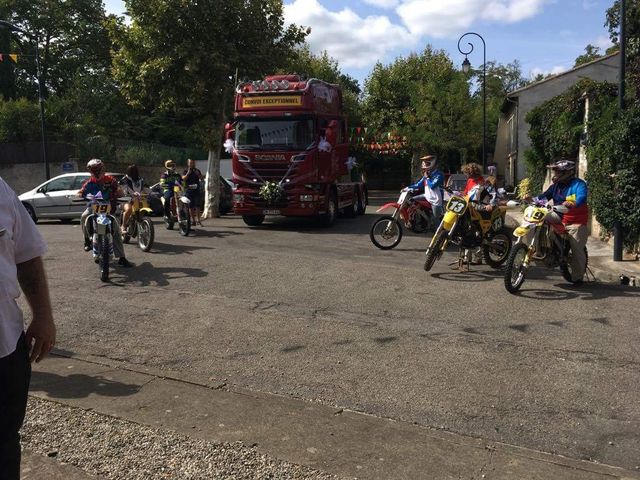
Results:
<point x="31" y="212"/>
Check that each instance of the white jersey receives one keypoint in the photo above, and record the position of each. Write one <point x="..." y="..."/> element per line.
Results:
<point x="20" y="241"/>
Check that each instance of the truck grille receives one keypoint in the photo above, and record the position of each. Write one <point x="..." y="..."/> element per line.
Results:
<point x="273" y="172"/>
<point x="261" y="203"/>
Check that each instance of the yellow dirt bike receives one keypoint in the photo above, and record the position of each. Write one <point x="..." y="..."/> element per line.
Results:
<point x="470" y="229"/>
<point x="140" y="225"/>
<point x="549" y="245"/>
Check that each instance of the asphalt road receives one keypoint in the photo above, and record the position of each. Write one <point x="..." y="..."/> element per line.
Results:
<point x="321" y="314"/>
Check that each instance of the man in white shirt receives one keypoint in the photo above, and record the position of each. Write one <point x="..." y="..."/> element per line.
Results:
<point x="21" y="250"/>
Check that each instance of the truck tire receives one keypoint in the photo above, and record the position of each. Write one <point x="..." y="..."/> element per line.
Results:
<point x="253" y="220"/>
<point x="350" y="211"/>
<point x="362" y="202"/>
<point x="329" y="217"/>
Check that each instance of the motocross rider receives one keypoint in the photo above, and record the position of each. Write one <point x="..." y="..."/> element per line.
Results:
<point x="432" y="181"/>
<point x="568" y="190"/>
<point x="132" y="186"/>
<point x="167" y="180"/>
<point x="110" y="190"/>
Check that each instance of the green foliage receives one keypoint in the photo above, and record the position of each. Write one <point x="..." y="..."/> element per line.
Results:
<point x="525" y="189"/>
<point x="591" y="53"/>
<point x="556" y="126"/>
<point x="155" y="154"/>
<point x="613" y="148"/>
<point x="19" y="121"/>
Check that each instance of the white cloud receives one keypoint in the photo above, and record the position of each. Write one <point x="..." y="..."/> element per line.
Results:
<point x="383" y="3"/>
<point x="603" y="42"/>
<point x="356" y="42"/>
<point x="552" y="71"/>
<point x="437" y="18"/>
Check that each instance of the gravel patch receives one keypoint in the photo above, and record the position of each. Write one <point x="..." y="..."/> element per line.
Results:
<point x="118" y="449"/>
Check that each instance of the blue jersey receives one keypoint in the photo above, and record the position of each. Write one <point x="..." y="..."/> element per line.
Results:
<point x="434" y="180"/>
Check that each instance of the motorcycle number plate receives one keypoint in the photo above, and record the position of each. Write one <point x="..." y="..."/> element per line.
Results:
<point x="497" y="223"/>
<point x="271" y="212"/>
<point x="457" y="205"/>
<point x="101" y="208"/>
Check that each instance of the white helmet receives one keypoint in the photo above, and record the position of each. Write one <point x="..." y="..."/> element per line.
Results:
<point x="429" y="162"/>
<point x="563" y="170"/>
<point x="95" y="166"/>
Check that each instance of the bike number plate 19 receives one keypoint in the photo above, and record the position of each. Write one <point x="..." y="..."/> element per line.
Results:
<point x="101" y="208"/>
<point x="457" y="205"/>
<point x="271" y="212"/>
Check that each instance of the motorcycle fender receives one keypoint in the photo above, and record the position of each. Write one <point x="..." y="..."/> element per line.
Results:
<point x="449" y="220"/>
<point x="146" y="211"/>
<point x="521" y="231"/>
<point x="388" y="205"/>
<point x="101" y="229"/>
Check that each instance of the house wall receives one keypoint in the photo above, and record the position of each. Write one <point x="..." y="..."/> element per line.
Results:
<point x="604" y="70"/>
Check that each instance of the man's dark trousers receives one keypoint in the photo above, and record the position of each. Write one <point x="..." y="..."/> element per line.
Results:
<point x="15" y="374"/>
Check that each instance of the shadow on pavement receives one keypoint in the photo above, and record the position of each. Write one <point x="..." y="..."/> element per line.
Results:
<point x="79" y="386"/>
<point x="146" y="274"/>
<point x="173" y="249"/>
<point x="214" y="234"/>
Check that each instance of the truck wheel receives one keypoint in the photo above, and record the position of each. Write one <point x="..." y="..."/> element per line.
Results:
<point x="350" y="211"/>
<point x="253" y="220"/>
<point x="329" y="217"/>
<point x="362" y="204"/>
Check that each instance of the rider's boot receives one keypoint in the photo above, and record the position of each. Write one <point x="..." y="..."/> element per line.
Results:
<point x="123" y="262"/>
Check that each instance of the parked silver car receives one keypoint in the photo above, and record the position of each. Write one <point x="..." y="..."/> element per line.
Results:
<point x="52" y="199"/>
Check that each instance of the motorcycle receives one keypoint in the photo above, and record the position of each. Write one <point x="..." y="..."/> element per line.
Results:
<point x="100" y="224"/>
<point x="386" y="231"/>
<point x="140" y="225"/>
<point x="550" y="245"/>
<point x="179" y="211"/>
<point x="470" y="229"/>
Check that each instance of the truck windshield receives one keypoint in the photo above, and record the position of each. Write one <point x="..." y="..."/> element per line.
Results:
<point x="268" y="133"/>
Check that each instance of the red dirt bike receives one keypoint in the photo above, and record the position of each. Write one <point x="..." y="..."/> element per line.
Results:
<point x="386" y="231"/>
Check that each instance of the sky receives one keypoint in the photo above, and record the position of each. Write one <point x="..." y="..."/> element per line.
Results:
<point x="545" y="36"/>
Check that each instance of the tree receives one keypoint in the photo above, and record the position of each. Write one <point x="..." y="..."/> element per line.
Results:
<point x="72" y="38"/>
<point x="632" y="32"/>
<point x="326" y="68"/>
<point x="590" y="53"/>
<point x="423" y="98"/>
<point x="184" y="56"/>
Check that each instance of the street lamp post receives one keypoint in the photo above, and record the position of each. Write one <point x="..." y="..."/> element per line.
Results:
<point x="618" y="234"/>
<point x="466" y="67"/>
<point x="11" y="27"/>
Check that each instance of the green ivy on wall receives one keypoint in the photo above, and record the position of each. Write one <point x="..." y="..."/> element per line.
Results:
<point x="613" y="150"/>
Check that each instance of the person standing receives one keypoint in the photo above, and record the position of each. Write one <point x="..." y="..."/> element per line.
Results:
<point x="192" y="178"/>
<point x="21" y="266"/>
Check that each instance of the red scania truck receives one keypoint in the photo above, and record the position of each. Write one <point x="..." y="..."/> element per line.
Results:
<point x="291" y="151"/>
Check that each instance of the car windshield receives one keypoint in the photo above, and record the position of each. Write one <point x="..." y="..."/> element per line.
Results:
<point x="268" y="133"/>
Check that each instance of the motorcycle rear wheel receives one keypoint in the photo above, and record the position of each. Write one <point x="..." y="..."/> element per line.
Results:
<point x="146" y="234"/>
<point x="514" y="271"/>
<point x="419" y="224"/>
<point x="435" y="251"/>
<point x="386" y="232"/>
<point x="497" y="252"/>
<point x="566" y="268"/>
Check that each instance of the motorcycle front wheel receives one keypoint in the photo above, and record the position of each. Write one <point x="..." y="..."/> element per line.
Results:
<point x="104" y="259"/>
<point x="386" y="233"/>
<point x="496" y="253"/>
<point x="514" y="268"/>
<point x="184" y="222"/>
<point x="435" y="250"/>
<point x="146" y="234"/>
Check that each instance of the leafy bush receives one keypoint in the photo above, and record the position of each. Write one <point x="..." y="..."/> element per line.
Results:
<point x="19" y="121"/>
